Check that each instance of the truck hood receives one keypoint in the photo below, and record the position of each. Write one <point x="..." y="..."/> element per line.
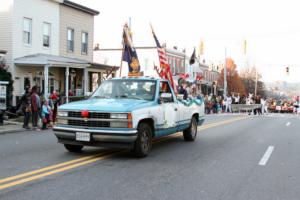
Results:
<point x="107" y="105"/>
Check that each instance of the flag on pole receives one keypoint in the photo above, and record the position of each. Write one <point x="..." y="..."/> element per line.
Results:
<point x="193" y="57"/>
<point x="161" y="51"/>
<point x="165" y="71"/>
<point x="130" y="54"/>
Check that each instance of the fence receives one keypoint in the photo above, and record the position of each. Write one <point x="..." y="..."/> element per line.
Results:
<point x="244" y="107"/>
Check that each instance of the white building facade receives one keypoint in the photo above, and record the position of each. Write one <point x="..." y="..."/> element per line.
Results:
<point x="49" y="43"/>
<point x="26" y="28"/>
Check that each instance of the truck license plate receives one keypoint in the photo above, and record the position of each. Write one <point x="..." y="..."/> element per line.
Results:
<point x="81" y="136"/>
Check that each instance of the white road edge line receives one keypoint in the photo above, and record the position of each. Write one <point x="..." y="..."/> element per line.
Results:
<point x="266" y="156"/>
<point x="289" y="123"/>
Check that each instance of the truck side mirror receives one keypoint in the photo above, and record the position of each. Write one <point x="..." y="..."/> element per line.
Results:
<point x="179" y="96"/>
<point x="165" y="97"/>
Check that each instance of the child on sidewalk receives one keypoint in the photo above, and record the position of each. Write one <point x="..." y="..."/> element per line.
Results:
<point x="45" y="114"/>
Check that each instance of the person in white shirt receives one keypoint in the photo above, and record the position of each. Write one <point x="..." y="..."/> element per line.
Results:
<point x="237" y="99"/>
<point x="228" y="104"/>
<point x="264" y="106"/>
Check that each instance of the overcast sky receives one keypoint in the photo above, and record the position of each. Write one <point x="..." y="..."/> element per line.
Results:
<point x="271" y="28"/>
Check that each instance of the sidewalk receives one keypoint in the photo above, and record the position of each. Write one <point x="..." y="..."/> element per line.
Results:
<point x="11" y="127"/>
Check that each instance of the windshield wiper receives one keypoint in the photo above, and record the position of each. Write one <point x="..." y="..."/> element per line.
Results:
<point x="121" y="96"/>
<point x="126" y="96"/>
<point x="137" y="98"/>
<point x="101" y="97"/>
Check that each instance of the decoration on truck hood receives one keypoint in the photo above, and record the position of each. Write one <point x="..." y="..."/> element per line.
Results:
<point x="85" y="113"/>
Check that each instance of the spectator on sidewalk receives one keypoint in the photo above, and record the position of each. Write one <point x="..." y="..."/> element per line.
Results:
<point x="237" y="99"/>
<point x="206" y="104"/>
<point x="228" y="104"/>
<point x="55" y="99"/>
<point x="35" y="107"/>
<point x="264" y="106"/>
<point x="257" y="101"/>
<point x="46" y="110"/>
<point x="26" y="107"/>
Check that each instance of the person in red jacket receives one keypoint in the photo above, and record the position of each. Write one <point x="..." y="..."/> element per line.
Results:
<point x="55" y="99"/>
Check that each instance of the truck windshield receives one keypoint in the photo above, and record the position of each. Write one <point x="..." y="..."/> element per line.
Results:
<point x="126" y="89"/>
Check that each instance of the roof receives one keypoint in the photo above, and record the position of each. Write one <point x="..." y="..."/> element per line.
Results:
<point x="47" y="59"/>
<point x="80" y="7"/>
<point x="104" y="66"/>
<point x="175" y="52"/>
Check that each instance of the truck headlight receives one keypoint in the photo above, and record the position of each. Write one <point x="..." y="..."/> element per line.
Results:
<point x="62" y="121"/>
<point x="118" y="124"/>
<point x="62" y="113"/>
<point x="118" y="115"/>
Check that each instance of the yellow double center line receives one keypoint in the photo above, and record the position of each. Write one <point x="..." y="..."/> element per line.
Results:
<point x="54" y="169"/>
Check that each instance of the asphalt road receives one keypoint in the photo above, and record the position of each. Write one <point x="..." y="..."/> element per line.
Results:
<point x="234" y="157"/>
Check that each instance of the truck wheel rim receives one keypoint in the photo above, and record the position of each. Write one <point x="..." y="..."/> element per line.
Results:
<point x="145" y="141"/>
<point x="194" y="128"/>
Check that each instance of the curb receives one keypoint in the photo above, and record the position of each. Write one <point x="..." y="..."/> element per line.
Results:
<point x="13" y="122"/>
<point x="12" y="131"/>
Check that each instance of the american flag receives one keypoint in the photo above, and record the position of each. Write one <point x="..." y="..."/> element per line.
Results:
<point x="161" y="51"/>
<point x="165" y="71"/>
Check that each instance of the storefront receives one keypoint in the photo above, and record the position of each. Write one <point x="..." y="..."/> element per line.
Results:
<point x="68" y="76"/>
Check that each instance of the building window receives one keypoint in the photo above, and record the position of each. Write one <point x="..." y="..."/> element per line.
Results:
<point x="70" y="40"/>
<point x="27" y="30"/>
<point x="174" y="66"/>
<point x="46" y="34"/>
<point x="84" y="43"/>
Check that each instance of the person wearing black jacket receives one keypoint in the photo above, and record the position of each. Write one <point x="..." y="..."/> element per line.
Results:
<point x="257" y="110"/>
<point x="26" y="107"/>
<point x="182" y="90"/>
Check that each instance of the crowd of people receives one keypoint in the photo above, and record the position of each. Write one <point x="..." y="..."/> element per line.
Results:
<point x="218" y="104"/>
<point x="41" y="111"/>
<point x="189" y="90"/>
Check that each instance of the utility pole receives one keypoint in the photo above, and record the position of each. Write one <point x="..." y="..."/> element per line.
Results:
<point x="225" y="75"/>
<point x="256" y="77"/>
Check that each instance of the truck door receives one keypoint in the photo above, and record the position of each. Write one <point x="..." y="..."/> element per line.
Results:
<point x="169" y="107"/>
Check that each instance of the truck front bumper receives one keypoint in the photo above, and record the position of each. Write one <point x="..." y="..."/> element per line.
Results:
<point x="98" y="137"/>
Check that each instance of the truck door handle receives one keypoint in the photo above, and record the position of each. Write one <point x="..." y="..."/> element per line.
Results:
<point x="175" y="109"/>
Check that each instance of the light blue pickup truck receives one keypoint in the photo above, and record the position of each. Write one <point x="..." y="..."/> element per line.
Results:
<point x="128" y="113"/>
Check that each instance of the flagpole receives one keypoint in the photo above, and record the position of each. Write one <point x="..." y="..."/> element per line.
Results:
<point x="155" y="48"/>
<point x="121" y="64"/>
<point x="122" y="55"/>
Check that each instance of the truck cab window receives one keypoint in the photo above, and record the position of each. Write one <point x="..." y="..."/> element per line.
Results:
<point x="164" y="87"/>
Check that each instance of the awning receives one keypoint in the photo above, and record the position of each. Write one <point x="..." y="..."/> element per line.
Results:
<point x="51" y="61"/>
<point x="104" y="67"/>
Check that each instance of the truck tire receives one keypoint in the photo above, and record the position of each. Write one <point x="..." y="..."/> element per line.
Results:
<point x="73" y="148"/>
<point x="191" y="133"/>
<point x="143" y="143"/>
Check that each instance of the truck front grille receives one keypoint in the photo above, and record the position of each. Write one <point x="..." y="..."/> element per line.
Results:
<point x="88" y="123"/>
<point x="92" y="115"/>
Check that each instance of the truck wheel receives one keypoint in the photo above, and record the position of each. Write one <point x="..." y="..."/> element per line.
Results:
<point x="73" y="148"/>
<point x="143" y="143"/>
<point x="191" y="133"/>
